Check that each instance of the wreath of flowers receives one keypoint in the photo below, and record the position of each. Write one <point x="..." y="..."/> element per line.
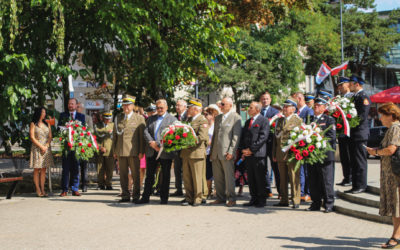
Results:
<point x="272" y="122"/>
<point x="178" y="136"/>
<point x="307" y="145"/>
<point x="78" y="138"/>
<point x="345" y="114"/>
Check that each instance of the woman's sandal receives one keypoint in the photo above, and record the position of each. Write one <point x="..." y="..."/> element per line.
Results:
<point x="39" y="195"/>
<point x="390" y="246"/>
<point x="45" y="195"/>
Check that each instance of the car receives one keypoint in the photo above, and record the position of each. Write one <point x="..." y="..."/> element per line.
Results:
<point x="376" y="135"/>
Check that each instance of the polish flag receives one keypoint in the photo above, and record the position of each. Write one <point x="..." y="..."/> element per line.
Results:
<point x="323" y="72"/>
<point x="337" y="69"/>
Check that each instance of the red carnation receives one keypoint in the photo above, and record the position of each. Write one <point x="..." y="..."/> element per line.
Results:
<point x="170" y="132"/>
<point x="274" y="124"/>
<point x="69" y="145"/>
<point x="89" y="145"/>
<point x="184" y="135"/>
<point x="311" y="148"/>
<point x="94" y="137"/>
<point x="305" y="153"/>
<point x="72" y="132"/>
<point x="336" y="114"/>
<point x="83" y="150"/>
<point x="76" y="125"/>
<point x="349" y="116"/>
<point x="169" y="142"/>
<point x="83" y="128"/>
<point x="80" y="144"/>
<point x="339" y="126"/>
<point x="299" y="157"/>
<point x="81" y="134"/>
<point x="60" y="139"/>
<point x="302" y="143"/>
<point x="293" y="148"/>
<point x="296" y="151"/>
<point x="88" y="133"/>
<point x="177" y="137"/>
<point x="163" y="141"/>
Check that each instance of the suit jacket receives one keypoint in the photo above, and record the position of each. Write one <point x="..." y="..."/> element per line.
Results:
<point x="149" y="134"/>
<point x="226" y="136"/>
<point x="200" y="127"/>
<point x="128" y="135"/>
<point x="305" y="113"/>
<point x="271" y="112"/>
<point x="183" y="116"/>
<point x="104" y="137"/>
<point x="255" y="137"/>
<point x="65" y="117"/>
<point x="282" y="134"/>
<point x="324" y="122"/>
<point x="362" y="104"/>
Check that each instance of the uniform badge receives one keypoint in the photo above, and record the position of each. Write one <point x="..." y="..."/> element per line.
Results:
<point x="366" y="102"/>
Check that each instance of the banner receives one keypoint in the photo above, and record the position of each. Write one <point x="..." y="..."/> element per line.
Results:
<point x="323" y="72"/>
<point x="337" y="69"/>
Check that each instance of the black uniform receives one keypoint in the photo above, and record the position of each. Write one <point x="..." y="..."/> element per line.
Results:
<point x="358" y="138"/>
<point x="321" y="175"/>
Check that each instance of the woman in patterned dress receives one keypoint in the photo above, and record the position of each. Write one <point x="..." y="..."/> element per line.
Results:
<point x="41" y="156"/>
<point x="389" y="115"/>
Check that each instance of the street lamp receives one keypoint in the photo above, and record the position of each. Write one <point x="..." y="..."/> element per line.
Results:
<point x="341" y="27"/>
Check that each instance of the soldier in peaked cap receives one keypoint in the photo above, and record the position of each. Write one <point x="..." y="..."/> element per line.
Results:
<point x="344" y="141"/>
<point x="325" y="92"/>
<point x="321" y="175"/>
<point x="309" y="97"/>
<point x="129" y="146"/>
<point x="193" y="159"/>
<point x="284" y="126"/>
<point x="105" y="161"/>
<point x="359" y="136"/>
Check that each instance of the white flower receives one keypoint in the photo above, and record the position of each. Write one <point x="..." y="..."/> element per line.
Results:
<point x="289" y="141"/>
<point x="324" y="144"/>
<point x="318" y="145"/>
<point x="352" y="105"/>
<point x="308" y="140"/>
<point x="319" y="138"/>
<point x="296" y="129"/>
<point x="293" y="134"/>
<point x="318" y="130"/>
<point x="344" y="106"/>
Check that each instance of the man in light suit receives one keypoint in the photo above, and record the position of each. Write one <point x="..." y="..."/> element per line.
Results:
<point x="181" y="115"/>
<point x="129" y="146"/>
<point x="193" y="158"/>
<point x="152" y="134"/>
<point x="70" y="165"/>
<point x="253" y="145"/>
<point x="225" y="141"/>
<point x="284" y="126"/>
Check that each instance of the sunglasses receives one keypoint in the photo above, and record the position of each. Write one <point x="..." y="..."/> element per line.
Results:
<point x="159" y="107"/>
<point x="222" y="104"/>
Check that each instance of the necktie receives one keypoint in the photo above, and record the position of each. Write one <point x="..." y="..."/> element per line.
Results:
<point x="159" y="121"/>
<point x="72" y="116"/>
<point x="251" y="122"/>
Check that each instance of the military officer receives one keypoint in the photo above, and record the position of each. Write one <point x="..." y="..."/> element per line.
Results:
<point x="359" y="136"/>
<point x="309" y="99"/>
<point x="284" y="126"/>
<point x="128" y="146"/>
<point x="105" y="161"/>
<point x="193" y="159"/>
<point x="344" y="141"/>
<point x="321" y="175"/>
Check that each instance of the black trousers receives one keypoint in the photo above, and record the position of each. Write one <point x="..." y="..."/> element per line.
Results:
<point x="275" y="169"/>
<point x="256" y="172"/>
<point x="178" y="172"/>
<point x="358" y="161"/>
<point x="321" y="177"/>
<point x="84" y="173"/>
<point x="344" y="149"/>
<point x="151" y="167"/>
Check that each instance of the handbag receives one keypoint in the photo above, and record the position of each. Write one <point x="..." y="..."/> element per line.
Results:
<point x="395" y="162"/>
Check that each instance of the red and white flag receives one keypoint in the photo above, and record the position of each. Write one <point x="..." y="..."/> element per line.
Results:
<point x="337" y="69"/>
<point x="323" y="72"/>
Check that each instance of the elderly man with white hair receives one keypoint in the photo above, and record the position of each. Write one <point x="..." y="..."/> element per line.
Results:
<point x="225" y="141"/>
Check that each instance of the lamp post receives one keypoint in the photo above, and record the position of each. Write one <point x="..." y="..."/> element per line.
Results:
<point x="341" y="27"/>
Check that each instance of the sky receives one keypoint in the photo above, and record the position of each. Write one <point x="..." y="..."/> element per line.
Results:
<point x="387" y="4"/>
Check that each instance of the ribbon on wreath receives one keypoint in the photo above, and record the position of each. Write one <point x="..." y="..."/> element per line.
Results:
<point x="346" y="125"/>
<point x="274" y="118"/>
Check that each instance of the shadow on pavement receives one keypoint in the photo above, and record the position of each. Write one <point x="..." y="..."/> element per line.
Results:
<point x="342" y="242"/>
<point x="81" y="199"/>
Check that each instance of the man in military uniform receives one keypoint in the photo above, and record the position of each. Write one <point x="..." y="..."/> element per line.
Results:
<point x="344" y="140"/>
<point x="284" y="126"/>
<point x="193" y="159"/>
<point x="321" y="175"/>
<point x="105" y="161"/>
<point x="309" y="97"/>
<point x="128" y="146"/>
<point x="359" y="136"/>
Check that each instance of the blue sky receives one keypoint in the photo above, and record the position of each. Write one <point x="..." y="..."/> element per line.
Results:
<point x="387" y="4"/>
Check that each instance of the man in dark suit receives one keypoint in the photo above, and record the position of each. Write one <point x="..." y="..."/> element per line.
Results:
<point x="359" y="136"/>
<point x="70" y="165"/>
<point x="253" y="146"/>
<point x="268" y="112"/>
<point x="152" y="134"/>
<point x="181" y="115"/>
<point x="321" y="175"/>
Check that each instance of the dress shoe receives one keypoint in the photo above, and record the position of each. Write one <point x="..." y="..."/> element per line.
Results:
<point x="250" y="203"/>
<point x="124" y="200"/>
<point x="231" y="203"/>
<point x="101" y="188"/>
<point x="281" y="205"/>
<point x="344" y="183"/>
<point x="217" y="202"/>
<point x="136" y="201"/>
<point x="142" y="201"/>
<point x="295" y="206"/>
<point x="182" y="201"/>
<point x="185" y="203"/>
<point x="196" y="204"/>
<point x="84" y="189"/>
<point x="164" y="202"/>
<point x="109" y="188"/>
<point x="349" y="191"/>
<point x="64" y="194"/>
<point x="313" y="208"/>
<point x="260" y="204"/>
<point x="203" y="201"/>
<point x="177" y="193"/>
<point x="328" y="210"/>
<point x="358" y="191"/>
<point x="75" y="193"/>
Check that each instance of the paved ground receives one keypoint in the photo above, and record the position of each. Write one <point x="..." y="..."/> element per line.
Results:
<point x="97" y="221"/>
